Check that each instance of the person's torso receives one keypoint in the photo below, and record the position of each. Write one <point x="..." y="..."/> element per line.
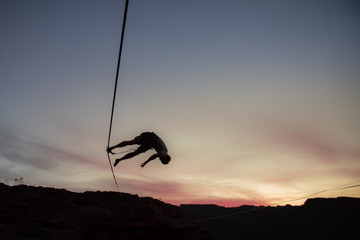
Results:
<point x="153" y="141"/>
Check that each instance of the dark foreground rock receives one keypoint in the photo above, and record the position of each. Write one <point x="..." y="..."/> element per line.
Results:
<point x="318" y="218"/>
<point x="30" y="213"/>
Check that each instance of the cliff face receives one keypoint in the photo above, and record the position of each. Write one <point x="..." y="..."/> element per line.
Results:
<point x="47" y="213"/>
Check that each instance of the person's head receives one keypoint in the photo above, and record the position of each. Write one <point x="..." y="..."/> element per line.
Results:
<point x="165" y="159"/>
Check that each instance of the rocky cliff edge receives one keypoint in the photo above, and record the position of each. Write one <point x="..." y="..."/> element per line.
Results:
<point x="46" y="213"/>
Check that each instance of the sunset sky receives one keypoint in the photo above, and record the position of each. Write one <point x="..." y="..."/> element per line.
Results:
<point x="257" y="101"/>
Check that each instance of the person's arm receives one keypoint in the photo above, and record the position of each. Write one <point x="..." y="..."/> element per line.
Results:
<point x="150" y="159"/>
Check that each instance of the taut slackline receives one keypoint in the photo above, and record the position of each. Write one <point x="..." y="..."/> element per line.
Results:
<point x="116" y="83"/>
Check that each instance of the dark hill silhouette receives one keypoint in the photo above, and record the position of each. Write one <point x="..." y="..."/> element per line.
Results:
<point x="46" y="213"/>
<point x="319" y="218"/>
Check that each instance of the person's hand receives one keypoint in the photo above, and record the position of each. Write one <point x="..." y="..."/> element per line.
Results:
<point x="109" y="150"/>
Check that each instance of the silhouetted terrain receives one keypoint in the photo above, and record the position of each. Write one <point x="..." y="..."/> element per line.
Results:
<point x="47" y="213"/>
<point x="318" y="218"/>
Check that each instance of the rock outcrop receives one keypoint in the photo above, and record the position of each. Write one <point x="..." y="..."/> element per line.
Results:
<point x="46" y="213"/>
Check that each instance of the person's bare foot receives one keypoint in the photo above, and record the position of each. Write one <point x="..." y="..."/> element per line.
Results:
<point x="116" y="162"/>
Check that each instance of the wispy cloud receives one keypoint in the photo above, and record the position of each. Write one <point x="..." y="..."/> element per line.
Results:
<point x="21" y="150"/>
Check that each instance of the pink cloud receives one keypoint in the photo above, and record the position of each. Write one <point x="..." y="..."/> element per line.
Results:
<point x="183" y="193"/>
<point x="287" y="178"/>
<point x="304" y="140"/>
<point x="155" y="188"/>
<point x="225" y="202"/>
<point x="345" y="172"/>
<point x="308" y="142"/>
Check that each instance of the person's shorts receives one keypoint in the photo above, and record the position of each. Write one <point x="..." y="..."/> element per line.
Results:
<point x="147" y="141"/>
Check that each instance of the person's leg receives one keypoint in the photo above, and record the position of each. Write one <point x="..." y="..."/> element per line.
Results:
<point x="136" y="140"/>
<point x="141" y="149"/>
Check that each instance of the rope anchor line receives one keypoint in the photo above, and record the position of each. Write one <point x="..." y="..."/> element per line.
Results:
<point x="115" y="88"/>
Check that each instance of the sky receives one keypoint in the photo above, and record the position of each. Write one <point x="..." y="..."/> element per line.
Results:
<point x="257" y="101"/>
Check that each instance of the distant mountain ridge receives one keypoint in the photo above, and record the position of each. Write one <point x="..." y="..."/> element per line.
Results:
<point x="318" y="218"/>
<point x="30" y="213"/>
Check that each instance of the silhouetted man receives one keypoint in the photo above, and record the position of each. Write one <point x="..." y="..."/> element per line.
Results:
<point x="146" y="140"/>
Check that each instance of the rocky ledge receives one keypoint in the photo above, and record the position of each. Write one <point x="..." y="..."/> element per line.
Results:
<point x="46" y="213"/>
